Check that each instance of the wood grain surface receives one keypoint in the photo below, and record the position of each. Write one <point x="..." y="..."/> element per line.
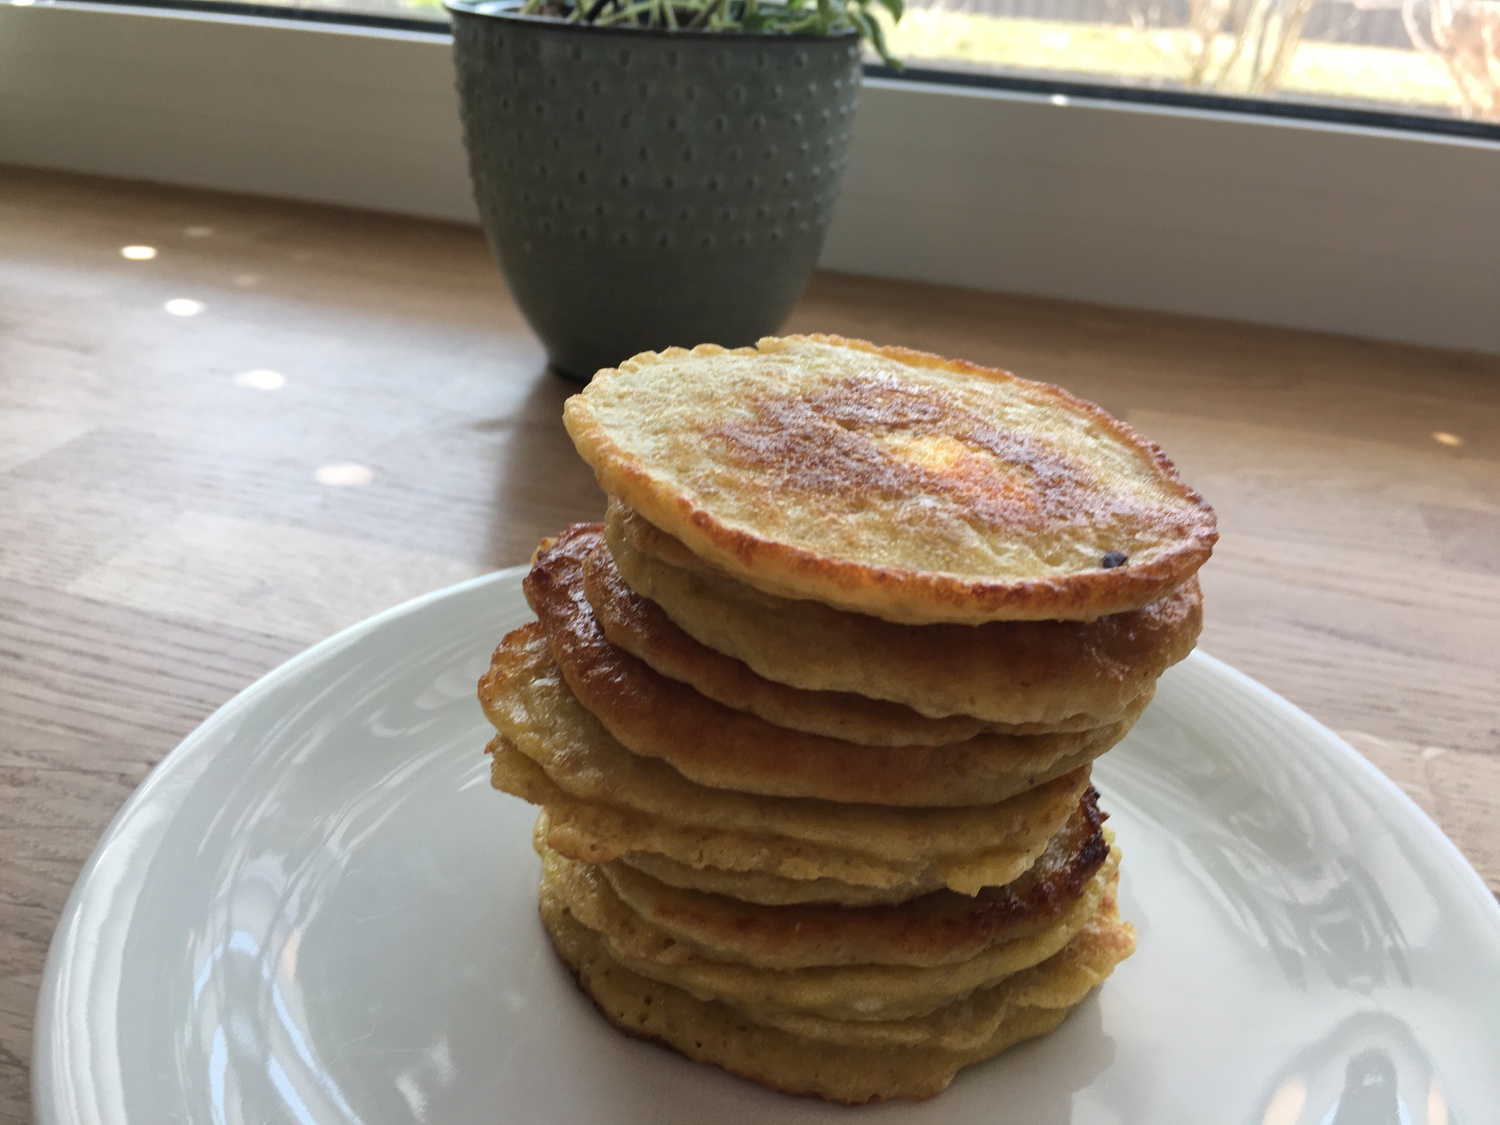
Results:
<point x="169" y="530"/>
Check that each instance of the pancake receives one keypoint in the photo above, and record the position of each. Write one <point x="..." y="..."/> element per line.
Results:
<point x="641" y="628"/>
<point x="892" y="483"/>
<point x="597" y="833"/>
<point x="710" y="1032"/>
<point x="935" y="929"/>
<point x="964" y="849"/>
<point x="1060" y="982"/>
<point x="766" y="889"/>
<point x="1054" y="674"/>
<point x="536" y="712"/>
<point x="862" y="992"/>
<point x="714" y="745"/>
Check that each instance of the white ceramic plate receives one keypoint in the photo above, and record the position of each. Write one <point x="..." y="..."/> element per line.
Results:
<point x="317" y="910"/>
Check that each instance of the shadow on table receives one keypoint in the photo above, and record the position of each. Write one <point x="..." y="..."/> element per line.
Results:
<point x="542" y="484"/>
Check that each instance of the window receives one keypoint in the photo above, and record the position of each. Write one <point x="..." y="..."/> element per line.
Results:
<point x="1434" y="62"/>
<point x="1438" y="58"/>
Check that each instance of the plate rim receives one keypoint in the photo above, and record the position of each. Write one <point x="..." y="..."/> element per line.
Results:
<point x="44" y="1066"/>
<point x="46" y="1072"/>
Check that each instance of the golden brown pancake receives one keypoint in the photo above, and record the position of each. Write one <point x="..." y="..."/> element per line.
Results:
<point x="546" y="723"/>
<point x="892" y="483"/>
<point x="935" y="929"/>
<point x="641" y="628"/>
<point x="656" y="717"/>
<point x="599" y="833"/>
<point x="965" y="848"/>
<point x="1026" y="1005"/>
<point x="855" y="992"/>
<point x="969" y="1024"/>
<point x="767" y="889"/>
<point x="1054" y="674"/>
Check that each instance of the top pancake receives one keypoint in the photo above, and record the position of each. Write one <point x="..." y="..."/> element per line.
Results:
<point x="891" y="482"/>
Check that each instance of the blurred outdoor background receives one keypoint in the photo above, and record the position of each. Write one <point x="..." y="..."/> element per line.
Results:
<point x="1432" y="57"/>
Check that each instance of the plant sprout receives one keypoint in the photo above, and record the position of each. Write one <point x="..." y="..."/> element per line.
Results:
<point x="814" y="17"/>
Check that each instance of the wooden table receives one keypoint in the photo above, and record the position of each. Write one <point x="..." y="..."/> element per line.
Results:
<point x="173" y="523"/>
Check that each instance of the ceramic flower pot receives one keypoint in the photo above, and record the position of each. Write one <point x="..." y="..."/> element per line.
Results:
<point x="643" y="188"/>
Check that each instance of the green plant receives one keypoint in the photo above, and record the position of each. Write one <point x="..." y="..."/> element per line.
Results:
<point x="815" y="17"/>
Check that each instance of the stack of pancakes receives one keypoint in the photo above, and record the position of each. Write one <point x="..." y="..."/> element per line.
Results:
<point x="810" y="716"/>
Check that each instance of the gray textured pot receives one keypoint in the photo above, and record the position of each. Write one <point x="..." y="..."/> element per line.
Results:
<point x="645" y="188"/>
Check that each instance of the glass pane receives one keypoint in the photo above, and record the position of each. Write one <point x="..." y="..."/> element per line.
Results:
<point x="1415" y="56"/>
<point x="1430" y="58"/>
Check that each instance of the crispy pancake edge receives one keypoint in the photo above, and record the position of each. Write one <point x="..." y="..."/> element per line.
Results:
<point x="861" y="991"/>
<point x="1102" y="669"/>
<point x="931" y="929"/>
<point x="662" y="1015"/>
<point x="657" y="717"/>
<point x="643" y="629"/>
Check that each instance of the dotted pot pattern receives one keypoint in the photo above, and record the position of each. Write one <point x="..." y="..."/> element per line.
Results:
<point x="644" y="188"/>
